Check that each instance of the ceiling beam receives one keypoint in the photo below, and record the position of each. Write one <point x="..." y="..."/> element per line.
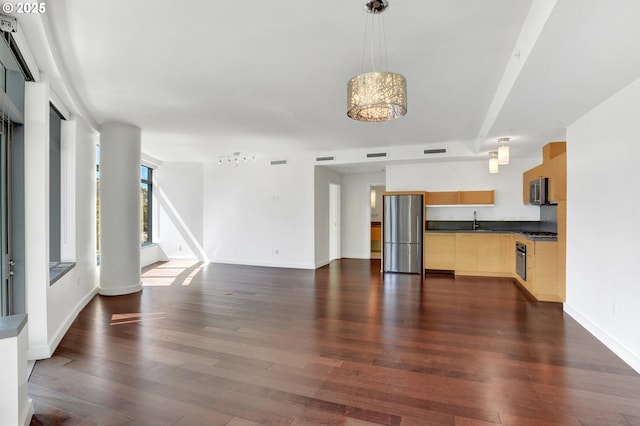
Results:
<point x="537" y="17"/>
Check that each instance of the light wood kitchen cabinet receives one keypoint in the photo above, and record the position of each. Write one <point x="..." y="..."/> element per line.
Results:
<point x="476" y="197"/>
<point x="376" y="237"/>
<point x="531" y="260"/>
<point x="489" y="252"/>
<point x="542" y="270"/>
<point x="440" y="251"/>
<point x="452" y="198"/>
<point x="507" y="254"/>
<point x="562" y="249"/>
<point x="545" y="283"/>
<point x="466" y="252"/>
<point x="442" y="198"/>
<point x="554" y="167"/>
<point x="492" y="254"/>
<point x="483" y="254"/>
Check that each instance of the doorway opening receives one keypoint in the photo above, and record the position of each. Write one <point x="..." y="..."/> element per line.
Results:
<point x="375" y="194"/>
<point x="334" y="221"/>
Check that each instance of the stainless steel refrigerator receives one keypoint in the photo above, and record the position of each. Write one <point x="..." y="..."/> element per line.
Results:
<point x="403" y="229"/>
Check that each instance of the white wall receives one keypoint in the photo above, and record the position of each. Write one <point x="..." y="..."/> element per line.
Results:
<point x="355" y="213"/>
<point x="469" y="175"/>
<point x="150" y="254"/>
<point x="603" y="221"/>
<point x="259" y="214"/>
<point x="177" y="193"/>
<point x="54" y="307"/>
<point x="73" y="291"/>
<point x="323" y="178"/>
<point x="36" y="205"/>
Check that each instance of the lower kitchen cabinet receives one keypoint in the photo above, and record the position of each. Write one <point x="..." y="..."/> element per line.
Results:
<point x="440" y="251"/>
<point x="466" y="252"/>
<point x="507" y="254"/>
<point x="542" y="270"/>
<point x="482" y="254"/>
<point x="545" y="283"/>
<point x="489" y="252"/>
<point x="493" y="255"/>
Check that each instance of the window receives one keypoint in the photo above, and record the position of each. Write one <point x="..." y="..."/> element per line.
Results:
<point x="55" y="183"/>
<point x="146" y="192"/>
<point x="57" y="268"/>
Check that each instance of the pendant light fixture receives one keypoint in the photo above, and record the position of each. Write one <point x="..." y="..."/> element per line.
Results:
<point x="493" y="162"/>
<point x="503" y="151"/>
<point x="376" y="95"/>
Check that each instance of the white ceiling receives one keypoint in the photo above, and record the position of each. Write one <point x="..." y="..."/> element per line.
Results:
<point x="204" y="78"/>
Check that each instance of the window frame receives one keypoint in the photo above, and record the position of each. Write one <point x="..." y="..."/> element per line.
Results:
<point x="149" y="222"/>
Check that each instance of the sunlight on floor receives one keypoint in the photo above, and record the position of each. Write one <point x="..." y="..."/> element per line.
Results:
<point x="119" y="319"/>
<point x="171" y="273"/>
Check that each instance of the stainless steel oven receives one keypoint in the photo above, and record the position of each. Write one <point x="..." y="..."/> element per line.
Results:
<point x="521" y="260"/>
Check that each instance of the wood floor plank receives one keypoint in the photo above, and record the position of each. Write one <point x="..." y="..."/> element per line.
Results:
<point x="240" y="346"/>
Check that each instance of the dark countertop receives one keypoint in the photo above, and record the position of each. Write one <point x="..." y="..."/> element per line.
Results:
<point x="492" y="231"/>
<point x="520" y="228"/>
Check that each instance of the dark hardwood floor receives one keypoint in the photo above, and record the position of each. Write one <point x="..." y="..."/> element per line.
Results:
<point x="210" y="344"/>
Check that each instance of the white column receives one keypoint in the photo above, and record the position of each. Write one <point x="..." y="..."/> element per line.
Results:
<point x="120" y="157"/>
<point x="36" y="210"/>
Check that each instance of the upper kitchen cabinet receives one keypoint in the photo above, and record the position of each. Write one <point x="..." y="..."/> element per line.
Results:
<point x="553" y="167"/>
<point x="477" y="197"/>
<point x="442" y="198"/>
<point x="557" y="173"/>
<point x="456" y="198"/>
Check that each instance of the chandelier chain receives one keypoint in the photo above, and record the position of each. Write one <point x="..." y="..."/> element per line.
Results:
<point x="364" y="42"/>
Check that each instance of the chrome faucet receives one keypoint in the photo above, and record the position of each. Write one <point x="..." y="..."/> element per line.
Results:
<point x="476" y="225"/>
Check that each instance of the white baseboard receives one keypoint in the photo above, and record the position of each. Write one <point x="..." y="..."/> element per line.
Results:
<point x="248" y="262"/>
<point x="119" y="291"/>
<point x="322" y="263"/>
<point x="45" y="351"/>
<point x="619" y="349"/>
<point x="39" y="352"/>
<point x="356" y="256"/>
<point x="184" y="258"/>
<point x="27" y="414"/>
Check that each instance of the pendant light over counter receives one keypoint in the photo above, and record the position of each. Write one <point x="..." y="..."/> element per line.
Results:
<point x="493" y="162"/>
<point x="377" y="95"/>
<point x="503" y="151"/>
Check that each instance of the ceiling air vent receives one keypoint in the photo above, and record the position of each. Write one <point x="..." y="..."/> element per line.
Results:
<point x="376" y="155"/>
<point x="327" y="158"/>
<point x="278" y="162"/>
<point x="436" y="151"/>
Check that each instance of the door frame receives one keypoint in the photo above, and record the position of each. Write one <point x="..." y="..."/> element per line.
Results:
<point x="334" y="221"/>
